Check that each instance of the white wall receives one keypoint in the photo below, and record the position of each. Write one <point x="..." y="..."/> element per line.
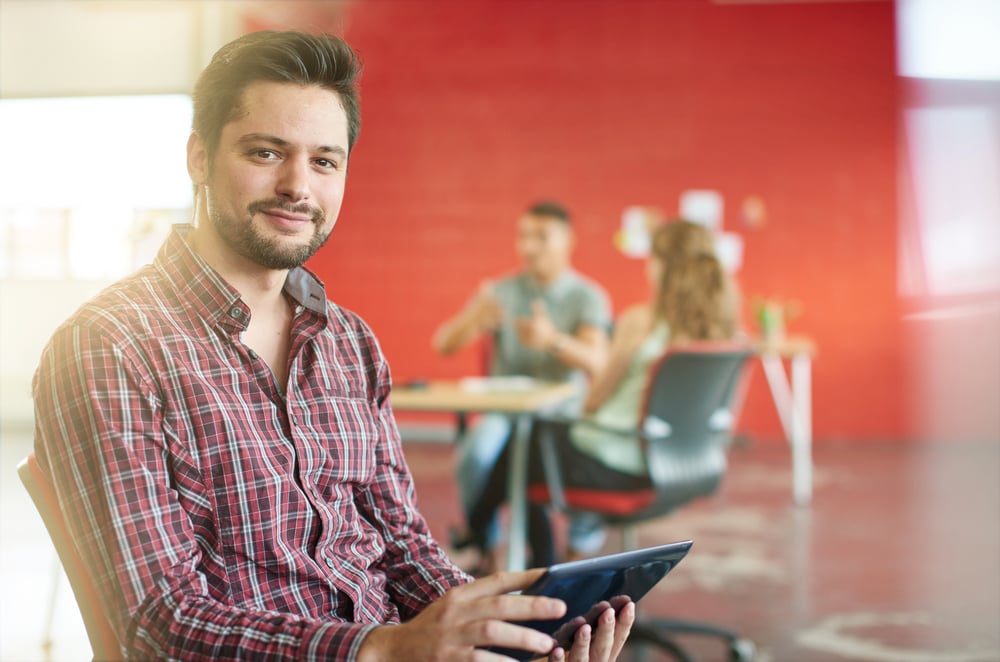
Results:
<point x="114" y="47"/>
<point x="60" y="48"/>
<point x="29" y="312"/>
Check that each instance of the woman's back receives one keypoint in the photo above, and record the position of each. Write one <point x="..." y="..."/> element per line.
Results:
<point x="621" y="409"/>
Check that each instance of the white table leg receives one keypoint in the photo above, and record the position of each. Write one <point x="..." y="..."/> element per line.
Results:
<point x="802" y="464"/>
<point x="517" y="492"/>
<point x="794" y="404"/>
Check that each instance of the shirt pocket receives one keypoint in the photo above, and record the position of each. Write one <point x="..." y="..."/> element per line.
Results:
<point x="349" y="445"/>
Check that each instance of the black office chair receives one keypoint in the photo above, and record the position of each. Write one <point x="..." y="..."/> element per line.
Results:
<point x="686" y="426"/>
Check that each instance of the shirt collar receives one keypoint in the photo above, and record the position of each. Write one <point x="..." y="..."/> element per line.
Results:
<point x="212" y="297"/>
<point x="556" y="287"/>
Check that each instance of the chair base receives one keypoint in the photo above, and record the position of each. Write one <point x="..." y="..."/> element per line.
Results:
<point x="656" y="632"/>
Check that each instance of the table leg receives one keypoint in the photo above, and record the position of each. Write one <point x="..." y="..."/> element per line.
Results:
<point x="517" y="492"/>
<point x="794" y="404"/>
<point x="802" y="429"/>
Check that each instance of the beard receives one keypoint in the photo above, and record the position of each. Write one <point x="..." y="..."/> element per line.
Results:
<point x="246" y="240"/>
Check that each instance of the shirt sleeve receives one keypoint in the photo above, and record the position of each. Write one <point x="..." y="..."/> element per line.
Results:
<point x="418" y="571"/>
<point x="596" y="307"/>
<point x="100" y="434"/>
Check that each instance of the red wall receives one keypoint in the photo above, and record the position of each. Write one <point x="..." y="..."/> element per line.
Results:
<point x="473" y="109"/>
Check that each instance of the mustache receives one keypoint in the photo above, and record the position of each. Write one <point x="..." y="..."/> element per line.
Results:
<point x="315" y="214"/>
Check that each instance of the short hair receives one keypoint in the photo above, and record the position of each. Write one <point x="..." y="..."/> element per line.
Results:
<point x="551" y="209"/>
<point x="277" y="56"/>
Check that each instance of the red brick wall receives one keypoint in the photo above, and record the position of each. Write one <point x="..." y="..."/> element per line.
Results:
<point x="474" y="109"/>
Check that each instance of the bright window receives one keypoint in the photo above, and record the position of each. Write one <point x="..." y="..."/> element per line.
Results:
<point x="90" y="185"/>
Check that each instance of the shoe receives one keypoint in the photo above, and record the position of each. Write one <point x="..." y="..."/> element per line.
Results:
<point x="460" y="538"/>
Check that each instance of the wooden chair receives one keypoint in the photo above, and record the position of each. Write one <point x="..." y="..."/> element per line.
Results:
<point x="103" y="641"/>
<point x="685" y="432"/>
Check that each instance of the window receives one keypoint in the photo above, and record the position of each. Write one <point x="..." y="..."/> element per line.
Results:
<point x="91" y="185"/>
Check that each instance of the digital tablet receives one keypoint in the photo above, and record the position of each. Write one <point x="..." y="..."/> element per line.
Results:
<point x="590" y="586"/>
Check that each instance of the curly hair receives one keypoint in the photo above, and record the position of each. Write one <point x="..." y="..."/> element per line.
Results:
<point x="695" y="296"/>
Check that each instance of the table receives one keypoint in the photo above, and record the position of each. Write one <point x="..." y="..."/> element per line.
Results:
<point x="792" y="397"/>
<point x="523" y="404"/>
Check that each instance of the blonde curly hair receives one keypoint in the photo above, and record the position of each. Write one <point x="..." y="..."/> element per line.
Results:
<point x="695" y="296"/>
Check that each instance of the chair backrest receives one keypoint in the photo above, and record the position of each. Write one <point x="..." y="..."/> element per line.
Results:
<point x="687" y="417"/>
<point x="102" y="637"/>
<point x="692" y="385"/>
<point x="684" y="430"/>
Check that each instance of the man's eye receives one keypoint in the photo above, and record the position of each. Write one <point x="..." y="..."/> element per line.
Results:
<point x="264" y="154"/>
<point x="327" y="163"/>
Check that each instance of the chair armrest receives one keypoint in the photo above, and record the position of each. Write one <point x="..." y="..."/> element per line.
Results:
<point x="566" y="421"/>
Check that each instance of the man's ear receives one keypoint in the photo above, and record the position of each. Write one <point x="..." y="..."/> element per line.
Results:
<point x="570" y="238"/>
<point x="197" y="159"/>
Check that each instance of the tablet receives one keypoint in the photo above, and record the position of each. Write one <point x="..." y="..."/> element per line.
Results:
<point x="590" y="586"/>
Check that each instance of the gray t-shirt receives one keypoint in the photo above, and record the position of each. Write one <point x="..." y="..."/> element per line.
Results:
<point x="570" y="301"/>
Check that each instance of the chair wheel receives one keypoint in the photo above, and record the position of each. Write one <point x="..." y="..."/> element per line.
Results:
<point x="742" y="650"/>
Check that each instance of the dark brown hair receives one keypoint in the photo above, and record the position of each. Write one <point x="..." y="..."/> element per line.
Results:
<point x="549" y="209"/>
<point x="284" y="57"/>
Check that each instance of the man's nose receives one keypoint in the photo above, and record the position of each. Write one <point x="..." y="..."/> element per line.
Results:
<point x="293" y="183"/>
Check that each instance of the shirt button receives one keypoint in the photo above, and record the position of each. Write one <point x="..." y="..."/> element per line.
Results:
<point x="236" y="312"/>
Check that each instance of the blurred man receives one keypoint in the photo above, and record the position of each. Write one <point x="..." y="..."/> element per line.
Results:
<point x="220" y="435"/>
<point x="546" y="321"/>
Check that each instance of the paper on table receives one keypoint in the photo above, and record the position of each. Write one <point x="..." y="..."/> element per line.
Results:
<point x="508" y="383"/>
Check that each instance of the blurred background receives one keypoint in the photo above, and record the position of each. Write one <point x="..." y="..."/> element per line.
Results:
<point x="850" y="152"/>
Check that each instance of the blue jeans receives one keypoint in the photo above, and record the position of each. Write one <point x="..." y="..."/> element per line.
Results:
<point x="480" y="449"/>
<point x="478" y="453"/>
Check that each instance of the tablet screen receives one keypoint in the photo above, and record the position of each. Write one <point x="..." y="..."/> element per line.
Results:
<point x="590" y="586"/>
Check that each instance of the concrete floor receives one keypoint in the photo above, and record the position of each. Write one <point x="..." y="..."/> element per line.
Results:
<point x="897" y="559"/>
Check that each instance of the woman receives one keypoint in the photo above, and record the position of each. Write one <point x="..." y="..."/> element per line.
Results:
<point x="693" y="299"/>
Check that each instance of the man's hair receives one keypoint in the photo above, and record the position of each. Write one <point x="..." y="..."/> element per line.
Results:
<point x="550" y="209"/>
<point x="283" y="57"/>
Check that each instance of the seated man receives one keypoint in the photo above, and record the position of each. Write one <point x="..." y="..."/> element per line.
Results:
<point x="220" y="434"/>
<point x="546" y="321"/>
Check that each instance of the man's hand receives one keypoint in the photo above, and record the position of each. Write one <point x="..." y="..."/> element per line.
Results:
<point x="484" y="312"/>
<point x="471" y="616"/>
<point x="603" y="645"/>
<point x="537" y="331"/>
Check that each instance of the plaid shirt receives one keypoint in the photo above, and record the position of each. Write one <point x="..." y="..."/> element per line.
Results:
<point x="220" y="517"/>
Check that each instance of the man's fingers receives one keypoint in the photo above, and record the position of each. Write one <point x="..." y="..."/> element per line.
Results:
<point x="603" y="640"/>
<point x="494" y="632"/>
<point x="500" y="582"/>
<point x="580" y="652"/>
<point x="511" y="608"/>
<point x="623" y="625"/>
<point x="491" y="598"/>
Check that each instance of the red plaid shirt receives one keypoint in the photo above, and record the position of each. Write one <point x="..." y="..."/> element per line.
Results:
<point x="221" y="518"/>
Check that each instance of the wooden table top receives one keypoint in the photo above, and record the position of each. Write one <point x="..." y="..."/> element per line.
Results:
<point x="477" y="394"/>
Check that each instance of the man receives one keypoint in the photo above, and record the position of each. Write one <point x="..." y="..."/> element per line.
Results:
<point x="547" y="322"/>
<point x="220" y="435"/>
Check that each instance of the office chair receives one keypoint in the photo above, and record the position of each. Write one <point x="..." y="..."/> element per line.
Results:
<point x="103" y="641"/>
<point x="686" y="425"/>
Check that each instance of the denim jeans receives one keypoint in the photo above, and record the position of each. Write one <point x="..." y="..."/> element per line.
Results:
<point x="477" y="455"/>
<point x="479" y="452"/>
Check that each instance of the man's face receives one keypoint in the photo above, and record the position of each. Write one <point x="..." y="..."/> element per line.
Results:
<point x="275" y="187"/>
<point x="544" y="244"/>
